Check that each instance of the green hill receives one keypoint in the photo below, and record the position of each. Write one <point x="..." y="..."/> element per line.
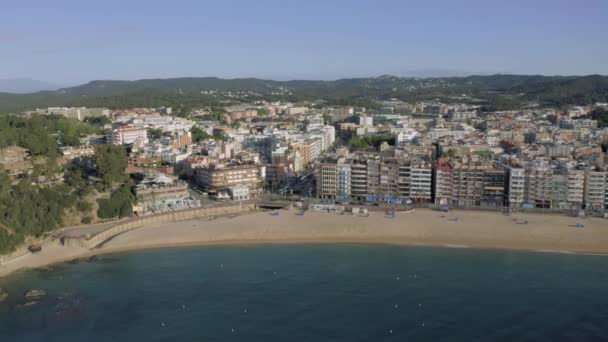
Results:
<point x="550" y="90"/>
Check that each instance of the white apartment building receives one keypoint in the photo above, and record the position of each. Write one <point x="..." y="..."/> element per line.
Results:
<point x="239" y="193"/>
<point x="516" y="185"/>
<point x="127" y="135"/>
<point x="576" y="187"/>
<point x="420" y="182"/>
<point x="365" y="120"/>
<point x="595" y="190"/>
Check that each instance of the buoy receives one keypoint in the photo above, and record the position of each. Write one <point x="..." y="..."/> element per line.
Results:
<point x="232" y="330"/>
<point x="398" y="278"/>
<point x="163" y="324"/>
<point x="245" y="311"/>
<point x="390" y="331"/>
<point x="419" y="304"/>
<point x="396" y="306"/>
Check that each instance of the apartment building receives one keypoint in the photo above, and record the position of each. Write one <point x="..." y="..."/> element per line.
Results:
<point x="127" y="135"/>
<point x="342" y="113"/>
<point x="375" y="179"/>
<point x="516" y="181"/>
<point x="594" y="196"/>
<point x="217" y="177"/>
<point x="327" y="180"/>
<point x="78" y="113"/>
<point x="469" y="182"/>
<point x="358" y="171"/>
<point x="538" y="191"/>
<point x="576" y="188"/>
<point x="419" y="182"/>
<point x="344" y="184"/>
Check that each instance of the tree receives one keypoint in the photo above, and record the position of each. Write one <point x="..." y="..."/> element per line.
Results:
<point x="601" y="115"/>
<point x="263" y="111"/>
<point x="198" y="134"/>
<point x="120" y="203"/>
<point x="111" y="161"/>
<point x="155" y="134"/>
<point x="356" y="142"/>
<point x="98" y="121"/>
<point x="219" y="135"/>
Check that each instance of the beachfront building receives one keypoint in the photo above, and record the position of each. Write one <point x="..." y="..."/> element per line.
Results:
<point x="443" y="181"/>
<point x="375" y="179"/>
<point x="418" y="187"/>
<point x="595" y="190"/>
<point x="515" y="186"/>
<point x="538" y="191"/>
<point x="344" y="183"/>
<point x="469" y="182"/>
<point x="160" y="192"/>
<point x="239" y="193"/>
<point x="327" y="180"/>
<point x="219" y="177"/>
<point x="358" y="179"/>
<point x="576" y="187"/>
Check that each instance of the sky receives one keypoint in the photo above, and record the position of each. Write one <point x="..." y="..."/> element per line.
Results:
<point x="74" y="41"/>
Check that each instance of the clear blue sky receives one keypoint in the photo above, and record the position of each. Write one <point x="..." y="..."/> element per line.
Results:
<point x="73" y="41"/>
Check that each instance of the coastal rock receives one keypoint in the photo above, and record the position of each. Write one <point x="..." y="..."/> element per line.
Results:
<point x="33" y="294"/>
<point x="26" y="305"/>
<point x="3" y="294"/>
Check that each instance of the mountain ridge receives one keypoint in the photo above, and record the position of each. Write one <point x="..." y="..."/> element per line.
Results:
<point x="552" y="90"/>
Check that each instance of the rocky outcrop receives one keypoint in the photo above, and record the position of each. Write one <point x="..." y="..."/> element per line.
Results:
<point x="35" y="294"/>
<point x="3" y="294"/>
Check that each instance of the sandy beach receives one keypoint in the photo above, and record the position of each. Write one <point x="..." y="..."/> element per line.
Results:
<point x="457" y="229"/>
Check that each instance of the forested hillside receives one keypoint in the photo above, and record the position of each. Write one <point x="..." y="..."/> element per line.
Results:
<point x="496" y="90"/>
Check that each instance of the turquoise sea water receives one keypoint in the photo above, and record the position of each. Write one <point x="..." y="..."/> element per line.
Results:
<point x="314" y="293"/>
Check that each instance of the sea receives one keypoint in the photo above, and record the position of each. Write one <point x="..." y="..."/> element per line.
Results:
<point x="323" y="292"/>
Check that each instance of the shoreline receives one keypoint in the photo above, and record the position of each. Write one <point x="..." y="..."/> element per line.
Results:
<point x="475" y="230"/>
<point x="383" y="241"/>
